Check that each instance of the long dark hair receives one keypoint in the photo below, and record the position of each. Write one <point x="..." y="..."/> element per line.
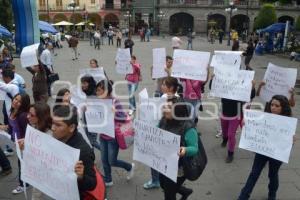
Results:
<point x="284" y="103"/>
<point x="106" y="86"/>
<point x="59" y="97"/>
<point x="43" y="115"/>
<point x="25" y="104"/>
<point x="92" y="85"/>
<point x="93" y="59"/>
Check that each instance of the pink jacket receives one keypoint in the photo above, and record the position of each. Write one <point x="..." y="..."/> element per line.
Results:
<point x="136" y="75"/>
<point x="192" y="89"/>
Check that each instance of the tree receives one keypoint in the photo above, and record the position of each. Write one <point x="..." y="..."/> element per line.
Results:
<point x="6" y="14"/>
<point x="266" y="16"/>
<point x="297" y="25"/>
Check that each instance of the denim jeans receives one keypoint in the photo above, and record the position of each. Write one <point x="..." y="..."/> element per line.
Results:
<point x="190" y="45"/>
<point x="132" y="87"/>
<point x="258" y="165"/>
<point x="4" y="162"/>
<point x="109" y="157"/>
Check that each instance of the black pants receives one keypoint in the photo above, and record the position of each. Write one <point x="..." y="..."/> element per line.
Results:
<point x="171" y="188"/>
<point x="110" y="39"/>
<point x="118" y="42"/>
<point x="4" y="162"/>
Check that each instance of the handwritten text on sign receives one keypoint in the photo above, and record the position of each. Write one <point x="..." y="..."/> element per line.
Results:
<point x="156" y="148"/>
<point x="159" y="63"/>
<point x="279" y="80"/>
<point x="123" y="59"/>
<point x="268" y="134"/>
<point x="226" y="59"/>
<point x="150" y="110"/>
<point x="48" y="165"/>
<point x="99" y="117"/>
<point x="96" y="73"/>
<point x="190" y="64"/>
<point x="229" y="84"/>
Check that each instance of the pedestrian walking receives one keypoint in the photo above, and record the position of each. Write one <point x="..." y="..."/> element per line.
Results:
<point x="128" y="43"/>
<point x="190" y="39"/>
<point x="73" y="44"/>
<point x="119" y="38"/>
<point x="110" y="35"/>
<point x="97" y="38"/>
<point x="249" y="54"/>
<point x="220" y="35"/>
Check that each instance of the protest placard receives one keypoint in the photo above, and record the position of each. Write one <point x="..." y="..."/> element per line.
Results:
<point x="123" y="59"/>
<point x="77" y="96"/>
<point x="156" y="148"/>
<point x="2" y="95"/>
<point x="268" y="134"/>
<point x="279" y="80"/>
<point x="100" y="117"/>
<point x="150" y="110"/>
<point x="96" y="73"/>
<point x="226" y="59"/>
<point x="190" y="64"/>
<point x="159" y="63"/>
<point x="143" y="94"/>
<point x="230" y="84"/>
<point x="48" y="165"/>
<point x="29" y="56"/>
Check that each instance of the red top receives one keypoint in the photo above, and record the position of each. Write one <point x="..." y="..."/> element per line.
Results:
<point x="135" y="76"/>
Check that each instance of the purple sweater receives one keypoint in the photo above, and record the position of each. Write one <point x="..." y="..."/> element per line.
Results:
<point x="18" y="125"/>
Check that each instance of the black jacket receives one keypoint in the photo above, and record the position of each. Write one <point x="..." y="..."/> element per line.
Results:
<point x="87" y="156"/>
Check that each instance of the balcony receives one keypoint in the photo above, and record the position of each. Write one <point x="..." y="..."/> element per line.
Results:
<point x="111" y="6"/>
<point x="63" y="8"/>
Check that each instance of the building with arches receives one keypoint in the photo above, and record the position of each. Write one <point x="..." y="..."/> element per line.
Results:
<point x="199" y="15"/>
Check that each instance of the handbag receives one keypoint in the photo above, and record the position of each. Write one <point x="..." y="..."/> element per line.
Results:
<point x="124" y="133"/>
<point x="53" y="77"/>
<point x="193" y="166"/>
<point x="99" y="192"/>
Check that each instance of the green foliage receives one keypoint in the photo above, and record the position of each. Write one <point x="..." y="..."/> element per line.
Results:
<point x="297" y="25"/>
<point x="266" y="16"/>
<point x="6" y="14"/>
<point x="283" y="2"/>
<point x="268" y="1"/>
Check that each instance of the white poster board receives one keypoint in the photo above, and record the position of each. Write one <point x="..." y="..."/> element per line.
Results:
<point x="268" y="134"/>
<point x="159" y="63"/>
<point x="156" y="148"/>
<point x="96" y="73"/>
<point x="143" y="94"/>
<point x="123" y="59"/>
<point x="190" y="64"/>
<point x="48" y="165"/>
<point x="226" y="59"/>
<point x="78" y="98"/>
<point x="100" y="117"/>
<point x="279" y="80"/>
<point x="150" y="110"/>
<point x="230" y="84"/>
<point x="29" y="56"/>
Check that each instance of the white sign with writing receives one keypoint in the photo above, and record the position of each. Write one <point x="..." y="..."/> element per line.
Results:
<point x="235" y="85"/>
<point x="96" y="73"/>
<point x="159" y="63"/>
<point x="268" y="134"/>
<point x="150" y="110"/>
<point x="190" y="64"/>
<point x="48" y="165"/>
<point x="156" y="148"/>
<point x="100" y="117"/>
<point x="78" y="98"/>
<point x="123" y="59"/>
<point x="279" y="80"/>
<point x="143" y="94"/>
<point x="29" y="56"/>
<point x="227" y="59"/>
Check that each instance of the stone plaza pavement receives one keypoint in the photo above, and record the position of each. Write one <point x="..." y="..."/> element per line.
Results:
<point x="220" y="181"/>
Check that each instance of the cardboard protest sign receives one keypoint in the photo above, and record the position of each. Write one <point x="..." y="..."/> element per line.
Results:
<point x="48" y="165"/>
<point x="29" y="56"/>
<point x="159" y="63"/>
<point x="268" y="134"/>
<point x="100" y="117"/>
<point x="150" y="110"/>
<point x="229" y="84"/>
<point x="226" y="59"/>
<point x="123" y="59"/>
<point x="156" y="148"/>
<point x="190" y="64"/>
<point x="279" y="80"/>
<point x="96" y="73"/>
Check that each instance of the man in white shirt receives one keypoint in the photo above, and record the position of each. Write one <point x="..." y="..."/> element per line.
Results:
<point x="46" y="57"/>
<point x="176" y="42"/>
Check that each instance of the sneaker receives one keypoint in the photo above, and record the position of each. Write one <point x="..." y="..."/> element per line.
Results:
<point x="109" y="184"/>
<point x="131" y="172"/>
<point x="219" y="134"/>
<point x="6" y="172"/>
<point x="8" y="153"/>
<point x="130" y="112"/>
<point x="151" y="185"/>
<point x="18" y="190"/>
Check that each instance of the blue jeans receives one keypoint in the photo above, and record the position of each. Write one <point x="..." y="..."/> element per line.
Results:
<point x="109" y="157"/>
<point x="132" y="87"/>
<point x="190" y="45"/>
<point x="258" y="165"/>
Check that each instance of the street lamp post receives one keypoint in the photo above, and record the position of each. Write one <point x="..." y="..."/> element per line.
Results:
<point x="72" y="6"/>
<point x="160" y="17"/>
<point x="230" y="9"/>
<point x="128" y="16"/>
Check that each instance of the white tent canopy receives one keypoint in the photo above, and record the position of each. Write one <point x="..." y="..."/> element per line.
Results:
<point x="63" y="23"/>
<point x="83" y="23"/>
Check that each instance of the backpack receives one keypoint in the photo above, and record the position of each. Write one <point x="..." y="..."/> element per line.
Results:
<point x="193" y="166"/>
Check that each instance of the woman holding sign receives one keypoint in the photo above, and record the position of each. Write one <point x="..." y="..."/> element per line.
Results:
<point x="278" y="105"/>
<point x="175" y="113"/>
<point x="109" y="146"/>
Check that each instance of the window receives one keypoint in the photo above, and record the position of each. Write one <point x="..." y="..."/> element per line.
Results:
<point x="92" y="1"/>
<point x="77" y="2"/>
<point x="58" y="2"/>
<point x="42" y="2"/>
